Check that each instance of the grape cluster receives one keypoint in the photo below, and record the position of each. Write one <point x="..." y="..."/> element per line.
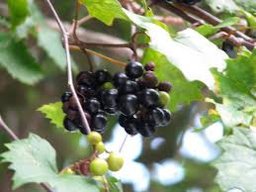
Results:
<point x="136" y="96"/>
<point x="188" y="2"/>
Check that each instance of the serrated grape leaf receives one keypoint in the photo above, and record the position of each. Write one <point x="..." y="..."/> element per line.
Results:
<point x="18" y="10"/>
<point x="183" y="92"/>
<point x="54" y="112"/>
<point x="219" y="6"/>
<point x="105" y="10"/>
<point x="16" y="59"/>
<point x="34" y="161"/>
<point x="237" y="87"/>
<point x="191" y="52"/>
<point x="236" y="165"/>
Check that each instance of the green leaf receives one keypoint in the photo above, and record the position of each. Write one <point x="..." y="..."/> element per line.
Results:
<point x="248" y="5"/>
<point x="237" y="166"/>
<point x="208" y="30"/>
<point x="187" y="51"/>
<point x="237" y="87"/>
<point x="18" y="11"/>
<point x="16" y="59"/>
<point x="105" y="10"/>
<point x="184" y="92"/>
<point x="55" y="50"/>
<point x="34" y="161"/>
<point x="54" y="112"/>
<point x="219" y="6"/>
<point x="114" y="184"/>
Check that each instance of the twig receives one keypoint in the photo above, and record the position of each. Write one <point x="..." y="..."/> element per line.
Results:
<point x="77" y="39"/>
<point x="114" y="61"/>
<point x="7" y="129"/>
<point x="182" y="10"/>
<point x="15" y="137"/>
<point x="69" y="67"/>
<point x="123" y="143"/>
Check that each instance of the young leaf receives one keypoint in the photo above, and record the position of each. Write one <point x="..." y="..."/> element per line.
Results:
<point x="34" y="161"/>
<point x="18" y="11"/>
<point x="237" y="166"/>
<point x="105" y="10"/>
<point x="16" y="59"/>
<point x="54" y="112"/>
<point x="184" y="92"/>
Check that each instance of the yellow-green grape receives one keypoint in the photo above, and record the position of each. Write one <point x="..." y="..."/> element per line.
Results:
<point x="100" y="147"/>
<point x="164" y="98"/>
<point x="98" y="167"/>
<point x="107" y="85"/>
<point x="94" y="138"/>
<point x="115" y="161"/>
<point x="68" y="171"/>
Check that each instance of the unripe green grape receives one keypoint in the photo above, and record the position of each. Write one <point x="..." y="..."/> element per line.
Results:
<point x="115" y="161"/>
<point x="100" y="147"/>
<point x="68" y="171"/>
<point x="98" y="167"/>
<point x="94" y="137"/>
<point x="107" y="85"/>
<point x="164" y="98"/>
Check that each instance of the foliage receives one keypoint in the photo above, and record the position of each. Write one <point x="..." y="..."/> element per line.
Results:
<point x="34" y="160"/>
<point x="197" y="68"/>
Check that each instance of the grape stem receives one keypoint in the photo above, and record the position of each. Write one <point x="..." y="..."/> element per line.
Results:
<point x="69" y="66"/>
<point x="14" y="137"/>
<point x="123" y="143"/>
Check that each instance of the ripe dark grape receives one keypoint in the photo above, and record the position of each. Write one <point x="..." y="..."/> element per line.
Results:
<point x="66" y="96"/>
<point x="146" y="129"/>
<point x="129" y="87"/>
<point x="189" y="2"/>
<point x="149" y="97"/>
<point x="131" y="126"/>
<point x="109" y="98"/>
<point x="72" y="114"/>
<point x="85" y="78"/>
<point x="102" y="76"/>
<point x="229" y="49"/>
<point x="69" y="125"/>
<point x="85" y="90"/>
<point x="167" y="117"/>
<point x="122" y="120"/>
<point x="92" y="105"/>
<point x="119" y="79"/>
<point x="99" y="122"/>
<point x="156" y="116"/>
<point x="134" y="69"/>
<point x="128" y="104"/>
<point x="110" y="111"/>
<point x="150" y="66"/>
<point x="165" y="86"/>
<point x="150" y="80"/>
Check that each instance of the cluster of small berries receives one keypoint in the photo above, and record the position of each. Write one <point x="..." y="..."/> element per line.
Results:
<point x="135" y="96"/>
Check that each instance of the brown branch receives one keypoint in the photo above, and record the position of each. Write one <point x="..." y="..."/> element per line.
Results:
<point x="189" y="12"/>
<point x="13" y="136"/>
